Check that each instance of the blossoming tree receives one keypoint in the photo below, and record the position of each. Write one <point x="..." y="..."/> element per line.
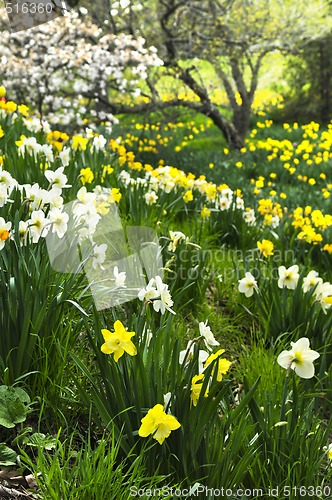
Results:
<point x="66" y="67"/>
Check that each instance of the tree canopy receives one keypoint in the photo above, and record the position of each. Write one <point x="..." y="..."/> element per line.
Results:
<point x="232" y="36"/>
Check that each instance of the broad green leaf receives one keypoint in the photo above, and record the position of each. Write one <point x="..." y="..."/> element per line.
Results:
<point x="14" y="406"/>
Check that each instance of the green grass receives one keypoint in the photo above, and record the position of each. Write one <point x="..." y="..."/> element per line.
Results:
<point x="88" y="470"/>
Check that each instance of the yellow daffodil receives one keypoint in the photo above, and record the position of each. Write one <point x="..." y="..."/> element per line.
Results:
<point x="265" y="247"/>
<point x="86" y="175"/>
<point x="205" y="212"/>
<point x="223" y="364"/>
<point x="23" y="109"/>
<point x="158" y="423"/>
<point x="188" y="196"/>
<point x="118" y="342"/>
<point x="328" y="248"/>
<point x="196" y="387"/>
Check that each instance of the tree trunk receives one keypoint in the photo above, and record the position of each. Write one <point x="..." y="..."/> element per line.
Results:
<point x="229" y="131"/>
<point x="241" y="120"/>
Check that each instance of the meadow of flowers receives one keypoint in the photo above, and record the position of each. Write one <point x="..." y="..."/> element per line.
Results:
<point x="212" y="369"/>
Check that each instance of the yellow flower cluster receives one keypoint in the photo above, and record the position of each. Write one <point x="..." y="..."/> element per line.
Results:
<point x="57" y="139"/>
<point x="8" y="106"/>
<point x="310" y="222"/>
<point x="268" y="208"/>
<point x="162" y="135"/>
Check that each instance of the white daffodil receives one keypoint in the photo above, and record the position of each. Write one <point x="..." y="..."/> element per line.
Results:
<point x="150" y="197"/>
<point x="224" y="203"/>
<point x="35" y="194"/>
<point x="99" y="256"/>
<point x="59" y="221"/>
<point x="46" y="150"/>
<point x="120" y="278"/>
<point x="247" y="285"/>
<point x="54" y="198"/>
<point x="149" y="292"/>
<point x="176" y="237"/>
<point x="165" y="300"/>
<point x="98" y="143"/>
<point x="84" y="197"/>
<point x="275" y="221"/>
<point x="7" y="180"/>
<point x="323" y="294"/>
<point x="239" y="203"/>
<point x="30" y="146"/>
<point x="310" y="281"/>
<point x="38" y="225"/>
<point x="167" y="399"/>
<point x="4" y="231"/>
<point x="23" y="231"/>
<point x="188" y="353"/>
<point x="64" y="156"/>
<point x="3" y="195"/>
<point x="57" y="178"/>
<point x="249" y="217"/>
<point x="206" y="333"/>
<point x="300" y="358"/>
<point x="288" y="277"/>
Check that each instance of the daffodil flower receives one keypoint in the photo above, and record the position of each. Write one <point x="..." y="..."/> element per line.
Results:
<point x="300" y="358"/>
<point x="118" y="342"/>
<point x="310" y="281"/>
<point x="196" y="387"/>
<point x="158" y="423"/>
<point x="223" y="364"/>
<point x="247" y="285"/>
<point x="206" y="333"/>
<point x="329" y="453"/>
<point x="265" y="247"/>
<point x="288" y="277"/>
<point x="120" y="278"/>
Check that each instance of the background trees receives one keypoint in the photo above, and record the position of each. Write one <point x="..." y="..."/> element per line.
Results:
<point x="205" y="45"/>
<point x="310" y="76"/>
<point x="231" y="37"/>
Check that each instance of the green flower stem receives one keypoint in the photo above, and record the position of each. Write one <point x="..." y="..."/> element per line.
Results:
<point x="284" y="397"/>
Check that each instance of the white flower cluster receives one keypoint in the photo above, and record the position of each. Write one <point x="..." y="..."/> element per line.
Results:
<point x="288" y="278"/>
<point x="40" y="202"/>
<point x="226" y="199"/>
<point x="45" y="208"/>
<point x="167" y="179"/>
<point x="157" y="292"/>
<point x="68" y="65"/>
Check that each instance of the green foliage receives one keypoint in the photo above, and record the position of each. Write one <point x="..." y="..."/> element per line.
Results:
<point x="8" y="457"/>
<point x="309" y="75"/>
<point x="256" y="427"/>
<point x="34" y="299"/>
<point x="14" y="406"/>
<point x="290" y="438"/>
<point x="122" y="393"/>
<point x="90" y="472"/>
